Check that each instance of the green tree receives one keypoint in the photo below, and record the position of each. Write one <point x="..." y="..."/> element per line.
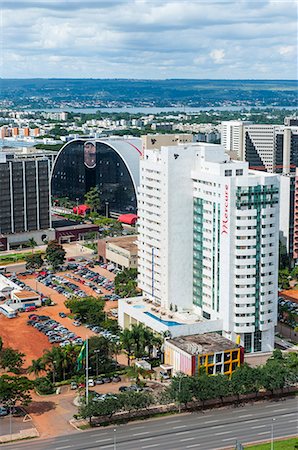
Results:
<point x="133" y="401"/>
<point x="15" y="390"/>
<point x="11" y="359"/>
<point x="284" y="260"/>
<point x="283" y="278"/>
<point x="37" y="366"/>
<point x="202" y="387"/>
<point x="55" y="254"/>
<point x="245" y="380"/>
<point x="127" y="343"/>
<point x="88" y="309"/>
<point x="92" y="198"/>
<point x="32" y="244"/>
<point x="33" y="261"/>
<point x="106" y="407"/>
<point x="100" y="354"/>
<point x="126" y="283"/>
<point x="182" y="389"/>
<point x="44" y="386"/>
<point x="274" y="375"/>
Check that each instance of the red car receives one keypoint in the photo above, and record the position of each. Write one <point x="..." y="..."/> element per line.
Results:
<point x="30" y="308"/>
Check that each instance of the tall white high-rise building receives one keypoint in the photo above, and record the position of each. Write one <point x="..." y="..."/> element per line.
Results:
<point x="208" y="245"/>
<point x="232" y="135"/>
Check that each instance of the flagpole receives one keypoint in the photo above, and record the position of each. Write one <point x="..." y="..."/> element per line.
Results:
<point x="87" y="377"/>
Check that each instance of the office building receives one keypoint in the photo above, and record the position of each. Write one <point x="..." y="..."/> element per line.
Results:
<point x="271" y="148"/>
<point x="208" y="246"/>
<point x="232" y="135"/>
<point x="111" y="164"/>
<point x="120" y="252"/>
<point x="25" y="199"/>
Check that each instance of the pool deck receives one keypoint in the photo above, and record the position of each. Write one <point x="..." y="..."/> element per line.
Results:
<point x="141" y="310"/>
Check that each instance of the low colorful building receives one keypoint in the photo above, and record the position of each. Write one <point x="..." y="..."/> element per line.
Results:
<point x="210" y="351"/>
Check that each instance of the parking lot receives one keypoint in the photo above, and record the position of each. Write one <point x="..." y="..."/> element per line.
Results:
<point x="29" y="339"/>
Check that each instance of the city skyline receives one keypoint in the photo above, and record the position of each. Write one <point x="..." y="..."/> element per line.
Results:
<point x="149" y="40"/>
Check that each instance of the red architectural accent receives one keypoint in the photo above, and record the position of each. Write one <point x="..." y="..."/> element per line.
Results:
<point x="129" y="219"/>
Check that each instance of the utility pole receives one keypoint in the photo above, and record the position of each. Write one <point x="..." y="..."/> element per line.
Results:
<point x="87" y="373"/>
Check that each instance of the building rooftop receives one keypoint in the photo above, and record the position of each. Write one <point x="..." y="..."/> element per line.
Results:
<point x="26" y="294"/>
<point x="125" y="242"/>
<point x="202" y="343"/>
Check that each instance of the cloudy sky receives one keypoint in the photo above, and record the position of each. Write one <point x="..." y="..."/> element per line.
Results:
<point x="149" y="39"/>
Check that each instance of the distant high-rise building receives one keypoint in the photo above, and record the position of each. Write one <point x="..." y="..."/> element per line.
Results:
<point x="288" y="186"/>
<point x="272" y="148"/>
<point x="291" y="121"/>
<point x="232" y="135"/>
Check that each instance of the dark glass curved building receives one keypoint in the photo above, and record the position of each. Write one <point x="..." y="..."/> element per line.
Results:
<point x="112" y="164"/>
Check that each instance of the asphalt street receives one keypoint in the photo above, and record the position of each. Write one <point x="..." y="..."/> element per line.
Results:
<point x="209" y="430"/>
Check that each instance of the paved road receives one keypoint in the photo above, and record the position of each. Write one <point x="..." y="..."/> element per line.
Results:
<point x="210" y="430"/>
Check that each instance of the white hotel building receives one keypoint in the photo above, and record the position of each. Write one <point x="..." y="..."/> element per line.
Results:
<point x="208" y="246"/>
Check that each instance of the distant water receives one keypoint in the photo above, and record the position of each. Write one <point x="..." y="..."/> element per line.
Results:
<point x="156" y="110"/>
<point x="15" y="144"/>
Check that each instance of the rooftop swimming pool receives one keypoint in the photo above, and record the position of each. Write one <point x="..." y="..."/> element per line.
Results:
<point x="169" y="323"/>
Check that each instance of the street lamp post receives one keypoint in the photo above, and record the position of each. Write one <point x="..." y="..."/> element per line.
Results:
<point x="179" y="391"/>
<point x="272" y="435"/>
<point x="54" y="362"/>
<point x="115" y="439"/>
<point x="96" y="352"/>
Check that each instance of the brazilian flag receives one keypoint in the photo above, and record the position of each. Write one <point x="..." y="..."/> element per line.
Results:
<point x="81" y="357"/>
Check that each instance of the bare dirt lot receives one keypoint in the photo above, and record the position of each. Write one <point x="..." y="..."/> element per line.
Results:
<point x="17" y="334"/>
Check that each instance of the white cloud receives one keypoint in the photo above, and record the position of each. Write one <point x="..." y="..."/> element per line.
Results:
<point x="218" y="56"/>
<point x="287" y="50"/>
<point x="149" y="38"/>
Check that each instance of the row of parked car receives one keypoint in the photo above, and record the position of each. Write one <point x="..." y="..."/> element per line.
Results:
<point x="56" y="333"/>
<point x="94" y="277"/>
<point x="86" y="283"/>
<point x="61" y="285"/>
<point x="103" y="332"/>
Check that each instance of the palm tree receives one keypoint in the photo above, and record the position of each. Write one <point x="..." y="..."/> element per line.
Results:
<point x="36" y="367"/>
<point x="127" y="343"/>
<point x="32" y="244"/>
<point x="139" y="338"/>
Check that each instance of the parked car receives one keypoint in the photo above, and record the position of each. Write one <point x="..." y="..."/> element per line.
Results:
<point x="62" y="314"/>
<point x="116" y="379"/>
<point x="107" y="379"/>
<point x="73" y="385"/>
<point x="124" y="388"/>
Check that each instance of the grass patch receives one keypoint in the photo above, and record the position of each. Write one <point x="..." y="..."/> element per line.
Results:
<point x="287" y="444"/>
<point x="15" y="257"/>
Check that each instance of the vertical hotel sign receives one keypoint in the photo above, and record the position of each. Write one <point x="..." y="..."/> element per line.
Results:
<point x="225" y="215"/>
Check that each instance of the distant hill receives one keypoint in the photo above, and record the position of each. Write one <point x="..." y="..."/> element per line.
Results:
<point x="129" y="92"/>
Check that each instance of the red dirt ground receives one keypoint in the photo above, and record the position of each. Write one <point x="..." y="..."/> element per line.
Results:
<point x="290" y="294"/>
<point x="18" y="335"/>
